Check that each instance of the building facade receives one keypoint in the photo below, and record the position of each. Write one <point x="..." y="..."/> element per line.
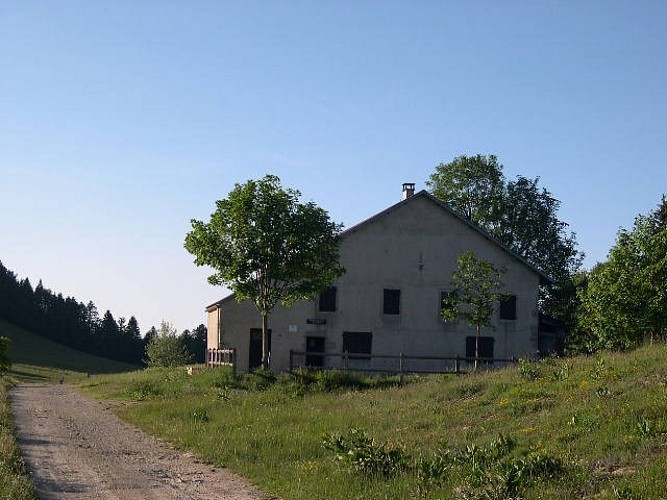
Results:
<point x="399" y="265"/>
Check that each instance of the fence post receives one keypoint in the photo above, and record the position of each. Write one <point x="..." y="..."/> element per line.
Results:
<point x="291" y="363"/>
<point x="345" y="360"/>
<point x="234" y="361"/>
<point x="456" y="365"/>
<point x="400" y="369"/>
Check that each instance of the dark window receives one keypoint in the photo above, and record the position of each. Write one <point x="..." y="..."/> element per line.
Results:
<point x="508" y="307"/>
<point x="485" y="347"/>
<point x="255" y="350"/>
<point x="392" y="301"/>
<point x="357" y="342"/>
<point x="313" y="345"/>
<point x="328" y="300"/>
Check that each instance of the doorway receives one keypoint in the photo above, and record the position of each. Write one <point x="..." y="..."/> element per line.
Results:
<point x="255" y="349"/>
<point x="314" y="344"/>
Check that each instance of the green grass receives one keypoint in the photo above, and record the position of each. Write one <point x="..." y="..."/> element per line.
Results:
<point x="604" y="419"/>
<point x="14" y="478"/>
<point x="38" y="359"/>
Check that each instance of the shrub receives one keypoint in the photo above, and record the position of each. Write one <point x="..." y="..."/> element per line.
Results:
<point x="528" y="369"/>
<point x="360" y="452"/>
<point x="5" y="364"/>
<point x="166" y="349"/>
<point x="488" y="472"/>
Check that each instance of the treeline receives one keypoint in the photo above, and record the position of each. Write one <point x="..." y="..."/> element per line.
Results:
<point x="75" y="324"/>
<point x="622" y="302"/>
<point x="619" y="304"/>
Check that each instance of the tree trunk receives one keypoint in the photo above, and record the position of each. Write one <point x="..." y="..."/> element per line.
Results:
<point x="477" y="347"/>
<point x="265" y="341"/>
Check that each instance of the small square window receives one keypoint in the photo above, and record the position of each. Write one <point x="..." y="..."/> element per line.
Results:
<point x="508" y="308"/>
<point x="392" y="301"/>
<point x="327" y="302"/>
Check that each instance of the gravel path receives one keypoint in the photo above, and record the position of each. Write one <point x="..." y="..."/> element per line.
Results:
<point x="75" y="447"/>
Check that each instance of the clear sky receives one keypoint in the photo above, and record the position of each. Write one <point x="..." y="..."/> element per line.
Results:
<point x="122" y="120"/>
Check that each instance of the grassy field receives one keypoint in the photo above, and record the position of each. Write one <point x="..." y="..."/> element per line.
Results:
<point x="36" y="359"/>
<point x="572" y="428"/>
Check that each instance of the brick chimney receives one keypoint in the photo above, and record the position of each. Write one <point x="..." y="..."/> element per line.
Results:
<point x="408" y="189"/>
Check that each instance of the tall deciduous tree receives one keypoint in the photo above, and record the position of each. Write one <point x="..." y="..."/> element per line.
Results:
<point x="476" y="287"/>
<point x="625" y="301"/>
<point x="519" y="214"/>
<point x="267" y="247"/>
<point x="473" y="186"/>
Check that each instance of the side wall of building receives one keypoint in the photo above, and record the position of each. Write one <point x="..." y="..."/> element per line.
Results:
<point x="414" y="249"/>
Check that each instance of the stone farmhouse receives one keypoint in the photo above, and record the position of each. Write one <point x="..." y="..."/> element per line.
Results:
<point x="399" y="265"/>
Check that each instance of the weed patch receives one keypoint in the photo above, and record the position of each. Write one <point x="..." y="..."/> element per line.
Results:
<point x="480" y="472"/>
<point x="14" y="476"/>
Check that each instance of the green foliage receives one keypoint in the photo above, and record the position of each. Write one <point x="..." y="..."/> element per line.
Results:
<point x="624" y="302"/>
<point x="273" y="435"/>
<point x="362" y="454"/>
<point x="167" y="349"/>
<point x="519" y="214"/>
<point x="528" y="369"/>
<point x="267" y="247"/>
<point x="5" y="363"/>
<point x="65" y="320"/>
<point x="473" y="186"/>
<point x="476" y="288"/>
<point x="482" y="471"/>
<point x="14" y="475"/>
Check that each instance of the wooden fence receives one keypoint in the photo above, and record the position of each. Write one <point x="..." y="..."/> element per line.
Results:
<point x="456" y="364"/>
<point x="221" y="357"/>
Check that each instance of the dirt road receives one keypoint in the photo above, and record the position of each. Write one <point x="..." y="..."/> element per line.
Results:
<point x="76" y="447"/>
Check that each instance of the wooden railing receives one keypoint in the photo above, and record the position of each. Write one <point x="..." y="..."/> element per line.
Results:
<point x="350" y="361"/>
<point x="221" y="357"/>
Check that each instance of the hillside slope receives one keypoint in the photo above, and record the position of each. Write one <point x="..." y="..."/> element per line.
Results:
<point x="35" y="358"/>
<point x="585" y="427"/>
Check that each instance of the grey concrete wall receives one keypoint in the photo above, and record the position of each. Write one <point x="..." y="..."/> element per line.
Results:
<point x="413" y="248"/>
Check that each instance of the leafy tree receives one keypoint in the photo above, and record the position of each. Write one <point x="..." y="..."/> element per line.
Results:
<point x="519" y="214"/>
<point x="476" y="286"/>
<point x="473" y="186"/>
<point x="166" y="349"/>
<point x="267" y="247"/>
<point x="626" y="298"/>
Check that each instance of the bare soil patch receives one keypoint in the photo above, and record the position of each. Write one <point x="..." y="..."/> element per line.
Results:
<point x="75" y="447"/>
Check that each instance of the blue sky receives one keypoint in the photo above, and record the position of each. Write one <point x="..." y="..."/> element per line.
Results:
<point x="122" y="120"/>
